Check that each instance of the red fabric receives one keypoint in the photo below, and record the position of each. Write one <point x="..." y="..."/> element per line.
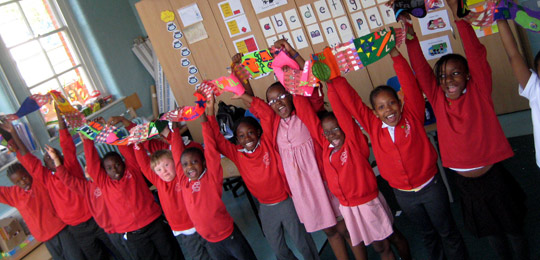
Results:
<point x="469" y="132"/>
<point x="411" y="160"/>
<point x="170" y="193"/>
<point x="36" y="209"/>
<point x="348" y="173"/>
<point x="70" y="206"/>
<point x="129" y="200"/>
<point x="260" y="169"/>
<point x="93" y="195"/>
<point x="203" y="197"/>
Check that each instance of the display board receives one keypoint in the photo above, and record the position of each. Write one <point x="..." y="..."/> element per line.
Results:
<point x="194" y="40"/>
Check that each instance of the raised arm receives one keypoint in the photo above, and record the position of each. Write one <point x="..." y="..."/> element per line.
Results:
<point x="264" y="112"/>
<point x="143" y="160"/>
<point x="177" y="148"/>
<point x="309" y="117"/>
<point x="223" y="145"/>
<point x="7" y="195"/>
<point x="69" y="149"/>
<point x="93" y="162"/>
<point x="343" y="115"/>
<point x="74" y="183"/>
<point x="353" y="102"/>
<point x="412" y="96"/>
<point x="284" y="44"/>
<point x="237" y="61"/>
<point x="519" y="66"/>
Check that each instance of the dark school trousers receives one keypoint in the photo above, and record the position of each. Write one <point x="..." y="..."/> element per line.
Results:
<point x="121" y="245"/>
<point x="93" y="241"/>
<point x="429" y="209"/>
<point x="195" y="246"/>
<point x="154" y="241"/>
<point x="233" y="247"/>
<point x="281" y="217"/>
<point x="64" y="247"/>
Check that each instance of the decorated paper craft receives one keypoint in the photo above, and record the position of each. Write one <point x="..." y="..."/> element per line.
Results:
<point x="138" y="133"/>
<point x="258" y="63"/>
<point x="347" y="57"/>
<point x="299" y="82"/>
<point x="240" y="72"/>
<point x="187" y="113"/>
<point x="208" y="88"/>
<point x="375" y="46"/>
<point x="230" y="84"/>
<point x="481" y="18"/>
<point x="463" y="8"/>
<point x="326" y="57"/>
<point x="416" y="8"/>
<point x="109" y="134"/>
<point x="525" y="17"/>
<point x="283" y="60"/>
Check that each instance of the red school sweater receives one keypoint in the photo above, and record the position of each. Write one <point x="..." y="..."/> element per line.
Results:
<point x="129" y="200"/>
<point x="36" y="209"/>
<point x="469" y="132"/>
<point x="70" y="206"/>
<point x="170" y="194"/>
<point x="259" y="169"/>
<point x="93" y="195"/>
<point x="411" y="160"/>
<point x="203" y="197"/>
<point x="347" y="171"/>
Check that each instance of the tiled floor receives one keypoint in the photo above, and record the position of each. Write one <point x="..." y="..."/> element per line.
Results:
<point x="522" y="166"/>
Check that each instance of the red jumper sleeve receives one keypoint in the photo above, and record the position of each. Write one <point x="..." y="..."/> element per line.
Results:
<point x="74" y="183"/>
<point x="7" y="195"/>
<point x="343" y="116"/>
<point x="144" y="163"/>
<point x="476" y="57"/>
<point x="265" y="113"/>
<point x="223" y="146"/>
<point x="177" y="148"/>
<point x="129" y="156"/>
<point x="353" y="102"/>
<point x="317" y="100"/>
<point x="70" y="153"/>
<point x="34" y="166"/>
<point x="211" y="154"/>
<point x="309" y="117"/>
<point x="412" y="97"/>
<point x="93" y="163"/>
<point x="424" y="73"/>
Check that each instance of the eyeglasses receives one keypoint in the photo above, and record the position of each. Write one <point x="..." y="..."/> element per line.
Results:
<point x="332" y="131"/>
<point x="273" y="101"/>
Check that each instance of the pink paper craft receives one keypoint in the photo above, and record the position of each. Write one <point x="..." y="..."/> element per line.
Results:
<point x="207" y="87"/>
<point x="299" y="82"/>
<point x="280" y="61"/>
<point x="230" y="84"/>
<point x="107" y="135"/>
<point x="41" y="100"/>
<point x="75" y="119"/>
<point x="138" y="133"/>
<point x="347" y="57"/>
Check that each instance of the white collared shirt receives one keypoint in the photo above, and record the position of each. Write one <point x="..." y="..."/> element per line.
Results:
<point x="391" y="130"/>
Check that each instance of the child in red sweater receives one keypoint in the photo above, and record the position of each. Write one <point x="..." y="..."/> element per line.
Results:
<point x="159" y="169"/>
<point x="133" y="210"/>
<point x="406" y="158"/>
<point x="33" y="202"/>
<point x="258" y="163"/>
<point x="201" y="187"/>
<point x="472" y="142"/>
<point x="70" y="206"/>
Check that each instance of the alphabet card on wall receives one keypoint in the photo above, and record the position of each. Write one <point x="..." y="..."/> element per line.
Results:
<point x="353" y="5"/>
<point x="314" y="34"/>
<point x="367" y="3"/>
<point x="374" y="18"/>
<point x="360" y="24"/>
<point x="287" y="36"/>
<point x="292" y="19"/>
<point x="375" y="46"/>
<point x="336" y="8"/>
<point x="270" y="41"/>
<point x="344" y="28"/>
<point x="299" y="39"/>
<point x="435" y="22"/>
<point x="322" y="10"/>
<point x="267" y="27"/>
<point x="279" y="23"/>
<point x="387" y="14"/>
<point x="264" y="5"/>
<point x="308" y="14"/>
<point x="331" y="33"/>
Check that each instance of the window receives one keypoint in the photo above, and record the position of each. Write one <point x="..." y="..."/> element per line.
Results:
<point x="40" y="43"/>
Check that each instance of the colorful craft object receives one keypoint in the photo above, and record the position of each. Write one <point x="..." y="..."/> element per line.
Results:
<point x="240" y="72"/>
<point x="483" y="18"/>
<point x="325" y="57"/>
<point x="187" y="113"/>
<point x="29" y="105"/>
<point x="229" y="84"/>
<point x="258" y="63"/>
<point x="375" y="46"/>
<point x="300" y="82"/>
<point x="347" y="57"/>
<point x="462" y="9"/>
<point x="416" y="8"/>
<point x="73" y="117"/>
<point x="208" y="88"/>
<point x="283" y="60"/>
<point x="523" y="16"/>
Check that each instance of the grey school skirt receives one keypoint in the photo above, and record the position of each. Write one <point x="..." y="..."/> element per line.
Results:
<point x="493" y="203"/>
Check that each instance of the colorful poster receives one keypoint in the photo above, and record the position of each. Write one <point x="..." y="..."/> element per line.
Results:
<point x="375" y="46"/>
<point x="436" y="4"/>
<point x="258" y="63"/>
<point x="436" y="47"/>
<point x="230" y="9"/>
<point x="435" y="22"/>
<point x="264" y="5"/>
<point x="238" y="26"/>
<point x="246" y="45"/>
<point x="190" y="15"/>
<point x="482" y="31"/>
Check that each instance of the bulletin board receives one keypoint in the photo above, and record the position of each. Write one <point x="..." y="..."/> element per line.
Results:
<point x="208" y="32"/>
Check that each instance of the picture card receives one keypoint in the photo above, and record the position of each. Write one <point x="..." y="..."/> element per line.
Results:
<point x="246" y="45"/>
<point x="435" y="22"/>
<point x="238" y="26"/>
<point x="190" y="14"/>
<point x="436" y="47"/>
<point x="264" y="5"/>
<point x="230" y="9"/>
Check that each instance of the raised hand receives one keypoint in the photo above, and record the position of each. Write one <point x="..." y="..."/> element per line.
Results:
<point x="237" y="58"/>
<point x="54" y="155"/>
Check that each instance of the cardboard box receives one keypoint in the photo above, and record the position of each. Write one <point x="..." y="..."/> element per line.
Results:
<point x="11" y="234"/>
